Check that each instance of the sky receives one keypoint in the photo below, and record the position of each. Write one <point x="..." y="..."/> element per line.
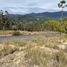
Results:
<point x="29" y="6"/>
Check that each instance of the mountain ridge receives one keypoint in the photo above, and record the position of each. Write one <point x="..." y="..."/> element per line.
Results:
<point x="54" y="15"/>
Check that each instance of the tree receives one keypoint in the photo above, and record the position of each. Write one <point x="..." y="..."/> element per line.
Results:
<point x="6" y="13"/>
<point x="62" y="4"/>
<point x="1" y="19"/>
<point x="4" y="21"/>
<point x="8" y="24"/>
<point x="1" y="12"/>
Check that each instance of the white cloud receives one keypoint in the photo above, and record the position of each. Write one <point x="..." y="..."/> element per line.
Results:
<point x="29" y="6"/>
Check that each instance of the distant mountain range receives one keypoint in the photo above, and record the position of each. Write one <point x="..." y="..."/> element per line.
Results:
<point x="53" y="15"/>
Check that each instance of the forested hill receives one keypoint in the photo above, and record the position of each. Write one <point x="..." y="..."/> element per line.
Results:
<point x="33" y="22"/>
<point x="53" y="15"/>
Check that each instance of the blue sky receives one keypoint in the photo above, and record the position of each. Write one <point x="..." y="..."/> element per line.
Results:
<point x="29" y="6"/>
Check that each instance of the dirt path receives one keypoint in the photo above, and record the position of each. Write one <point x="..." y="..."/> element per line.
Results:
<point x="27" y="37"/>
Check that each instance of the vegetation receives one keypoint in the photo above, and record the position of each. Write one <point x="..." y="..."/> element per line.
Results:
<point x="30" y="24"/>
<point x="16" y="33"/>
<point x="37" y="52"/>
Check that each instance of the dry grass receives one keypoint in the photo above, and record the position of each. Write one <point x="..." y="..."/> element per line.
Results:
<point x="5" y="32"/>
<point x="41" y="52"/>
<point x="9" y="33"/>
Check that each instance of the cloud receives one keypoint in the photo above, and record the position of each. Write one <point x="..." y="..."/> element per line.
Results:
<point x="22" y="10"/>
<point x="29" y="6"/>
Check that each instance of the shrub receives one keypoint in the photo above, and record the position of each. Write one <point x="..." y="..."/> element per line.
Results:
<point x="16" y="33"/>
<point x="61" y="30"/>
<point x="65" y="32"/>
<point x="61" y="59"/>
<point x="5" y="50"/>
<point x="39" y="40"/>
<point x="38" y="56"/>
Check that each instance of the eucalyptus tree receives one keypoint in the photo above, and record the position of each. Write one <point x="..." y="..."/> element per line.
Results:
<point x="4" y="19"/>
<point x="7" y="21"/>
<point x="1" y="12"/>
<point x="1" y="19"/>
<point x="62" y="4"/>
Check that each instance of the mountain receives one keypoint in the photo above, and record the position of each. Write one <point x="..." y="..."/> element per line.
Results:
<point x="53" y="15"/>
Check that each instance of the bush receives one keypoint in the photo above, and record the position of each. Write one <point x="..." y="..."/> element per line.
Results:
<point x="65" y="32"/>
<point x="38" y="56"/>
<point x="16" y="33"/>
<point x="61" y="30"/>
<point x="5" y="50"/>
<point x="61" y="59"/>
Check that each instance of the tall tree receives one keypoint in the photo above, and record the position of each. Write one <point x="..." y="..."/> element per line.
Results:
<point x="62" y="4"/>
<point x="7" y="22"/>
<point x="1" y="19"/>
<point x="4" y="22"/>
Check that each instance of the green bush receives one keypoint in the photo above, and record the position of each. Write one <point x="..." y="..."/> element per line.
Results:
<point x="65" y="32"/>
<point x="60" y="29"/>
<point x="16" y="33"/>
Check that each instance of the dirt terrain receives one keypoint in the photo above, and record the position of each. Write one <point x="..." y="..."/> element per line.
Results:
<point x="29" y="36"/>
